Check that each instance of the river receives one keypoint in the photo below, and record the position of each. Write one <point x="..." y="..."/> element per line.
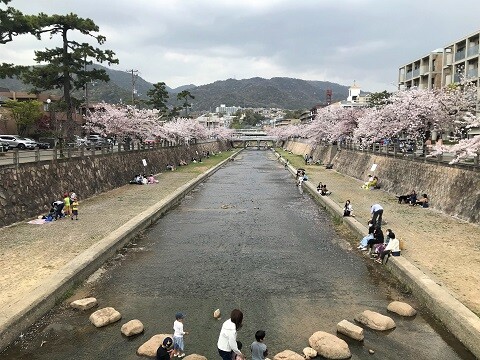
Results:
<point x="246" y="238"/>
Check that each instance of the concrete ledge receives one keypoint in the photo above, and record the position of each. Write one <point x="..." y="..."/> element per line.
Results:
<point x="456" y="317"/>
<point x="40" y="300"/>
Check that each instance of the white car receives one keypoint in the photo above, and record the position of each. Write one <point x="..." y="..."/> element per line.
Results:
<point x="15" y="141"/>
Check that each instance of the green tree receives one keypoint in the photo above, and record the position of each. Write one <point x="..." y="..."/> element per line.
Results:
<point x="295" y="114"/>
<point x="12" y="23"/>
<point x="378" y="99"/>
<point x="66" y="66"/>
<point x="185" y="95"/>
<point x="25" y="114"/>
<point x="158" y="97"/>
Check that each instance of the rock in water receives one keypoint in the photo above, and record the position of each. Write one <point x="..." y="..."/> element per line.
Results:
<point x="133" y="327"/>
<point x="105" y="316"/>
<point x="351" y="330"/>
<point x="194" y="357"/>
<point x="150" y="347"/>
<point x="401" y="308"/>
<point x="309" y="352"/>
<point x="375" y="320"/>
<point x="288" y="355"/>
<point x="329" y="346"/>
<point x="84" y="304"/>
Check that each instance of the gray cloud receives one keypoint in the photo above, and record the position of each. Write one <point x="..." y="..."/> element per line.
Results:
<point x="200" y="41"/>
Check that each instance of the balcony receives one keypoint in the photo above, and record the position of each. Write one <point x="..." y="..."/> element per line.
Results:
<point x="460" y="55"/>
<point x="472" y="73"/>
<point x="416" y="72"/>
<point x="473" y="51"/>
<point x="456" y="78"/>
<point x="409" y="75"/>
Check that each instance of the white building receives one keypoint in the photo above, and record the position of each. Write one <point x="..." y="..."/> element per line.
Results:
<point x="228" y="110"/>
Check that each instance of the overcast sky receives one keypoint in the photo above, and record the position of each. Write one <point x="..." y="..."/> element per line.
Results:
<point x="200" y="41"/>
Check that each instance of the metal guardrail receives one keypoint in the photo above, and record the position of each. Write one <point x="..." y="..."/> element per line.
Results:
<point x="16" y="157"/>
<point x="415" y="154"/>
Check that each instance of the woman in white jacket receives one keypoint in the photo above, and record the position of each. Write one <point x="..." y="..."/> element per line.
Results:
<point x="227" y="340"/>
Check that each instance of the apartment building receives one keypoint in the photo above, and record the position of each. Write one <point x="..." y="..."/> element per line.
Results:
<point x="443" y="66"/>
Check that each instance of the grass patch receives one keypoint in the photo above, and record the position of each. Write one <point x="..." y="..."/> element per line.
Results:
<point x="207" y="163"/>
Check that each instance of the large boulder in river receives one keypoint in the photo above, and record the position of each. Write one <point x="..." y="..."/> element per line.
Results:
<point x="288" y="355"/>
<point x="133" y="327"/>
<point x="345" y="327"/>
<point x="329" y="346"/>
<point x="375" y="320"/>
<point x="84" y="304"/>
<point x="401" y="308"/>
<point x="105" y="316"/>
<point x="150" y="347"/>
<point x="194" y="357"/>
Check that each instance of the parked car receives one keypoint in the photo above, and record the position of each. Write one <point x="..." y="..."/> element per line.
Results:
<point x="15" y="141"/>
<point x="40" y="145"/>
<point x="96" y="142"/>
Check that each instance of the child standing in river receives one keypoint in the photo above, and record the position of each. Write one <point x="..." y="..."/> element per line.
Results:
<point x="178" y="345"/>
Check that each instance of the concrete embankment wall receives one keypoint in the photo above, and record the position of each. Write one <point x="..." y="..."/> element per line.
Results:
<point x="27" y="190"/>
<point x="453" y="191"/>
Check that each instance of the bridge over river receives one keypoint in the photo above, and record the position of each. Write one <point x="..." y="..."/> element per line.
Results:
<point x="252" y="138"/>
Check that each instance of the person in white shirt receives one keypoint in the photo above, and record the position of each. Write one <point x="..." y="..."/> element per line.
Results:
<point x="377" y="212"/>
<point x="227" y="340"/>
<point x="392" y="248"/>
<point x="178" y="345"/>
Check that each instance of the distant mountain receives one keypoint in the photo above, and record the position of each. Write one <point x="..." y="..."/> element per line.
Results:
<point x="181" y="88"/>
<point x="279" y="92"/>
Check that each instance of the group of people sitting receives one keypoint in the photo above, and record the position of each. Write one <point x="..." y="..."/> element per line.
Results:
<point x="378" y="245"/>
<point x="322" y="189"/>
<point x="412" y="199"/>
<point x="301" y="177"/>
<point x="140" y="179"/>
<point x="371" y="183"/>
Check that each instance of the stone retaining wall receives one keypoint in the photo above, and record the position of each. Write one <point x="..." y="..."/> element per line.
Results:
<point x="27" y="190"/>
<point x="453" y="191"/>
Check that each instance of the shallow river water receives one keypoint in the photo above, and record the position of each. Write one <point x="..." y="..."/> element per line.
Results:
<point x="246" y="238"/>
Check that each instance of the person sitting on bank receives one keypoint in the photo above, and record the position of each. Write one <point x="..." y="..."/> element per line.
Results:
<point x="138" y="180"/>
<point x="364" y="242"/>
<point x="392" y="248"/>
<point x="324" y="191"/>
<point x="319" y="187"/>
<point x="378" y="238"/>
<point x="348" y="209"/>
<point x="170" y="167"/>
<point x="182" y="163"/>
<point x="371" y="184"/>
<point x="408" y="198"/>
<point x="423" y="201"/>
<point x="151" y="180"/>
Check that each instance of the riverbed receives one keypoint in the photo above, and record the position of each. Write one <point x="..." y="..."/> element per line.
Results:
<point x="246" y="238"/>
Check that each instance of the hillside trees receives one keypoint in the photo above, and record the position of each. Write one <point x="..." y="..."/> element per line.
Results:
<point x="65" y="66"/>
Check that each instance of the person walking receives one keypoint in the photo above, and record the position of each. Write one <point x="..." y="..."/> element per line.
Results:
<point x="227" y="340"/>
<point x="377" y="212"/>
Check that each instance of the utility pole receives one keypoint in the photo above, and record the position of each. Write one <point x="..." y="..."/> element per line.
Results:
<point x="134" y="78"/>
